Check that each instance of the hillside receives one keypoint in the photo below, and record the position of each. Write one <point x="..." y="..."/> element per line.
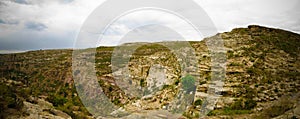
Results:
<point x="262" y="78"/>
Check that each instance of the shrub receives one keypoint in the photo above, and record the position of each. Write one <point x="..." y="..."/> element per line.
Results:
<point x="241" y="104"/>
<point x="143" y="83"/>
<point x="188" y="83"/>
<point x="230" y="54"/>
<point x="177" y="82"/>
<point x="8" y="99"/>
<point x="165" y="86"/>
<point x="57" y="100"/>
<point x="238" y="105"/>
<point x="250" y="104"/>
<point x="198" y="102"/>
<point x="235" y="64"/>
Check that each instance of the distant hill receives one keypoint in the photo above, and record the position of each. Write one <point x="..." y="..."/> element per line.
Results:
<point x="262" y="78"/>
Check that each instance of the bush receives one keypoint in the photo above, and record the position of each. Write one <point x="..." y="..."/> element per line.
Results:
<point x="241" y="104"/>
<point x="230" y="54"/>
<point x="235" y="64"/>
<point x="198" y="102"/>
<point x="238" y="105"/>
<point x="143" y="83"/>
<point x="250" y="104"/>
<point x="165" y="86"/>
<point x="9" y="99"/>
<point x="188" y="83"/>
<point x="57" y="100"/>
<point x="177" y="82"/>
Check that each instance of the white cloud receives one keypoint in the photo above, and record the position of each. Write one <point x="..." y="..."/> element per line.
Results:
<point x="143" y="18"/>
<point x="229" y="14"/>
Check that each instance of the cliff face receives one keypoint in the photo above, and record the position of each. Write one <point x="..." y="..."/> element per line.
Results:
<point x="262" y="77"/>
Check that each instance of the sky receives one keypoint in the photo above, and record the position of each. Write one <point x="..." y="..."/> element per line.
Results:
<point x="54" y="24"/>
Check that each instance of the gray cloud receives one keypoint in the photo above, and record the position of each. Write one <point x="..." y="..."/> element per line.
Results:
<point x="2" y="3"/>
<point x="35" y="26"/>
<point x="2" y="22"/>
<point x="21" y="1"/>
<point x="26" y="40"/>
<point x="8" y="22"/>
<point x="58" y="21"/>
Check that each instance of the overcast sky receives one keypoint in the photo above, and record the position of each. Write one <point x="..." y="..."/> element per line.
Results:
<point x="53" y="24"/>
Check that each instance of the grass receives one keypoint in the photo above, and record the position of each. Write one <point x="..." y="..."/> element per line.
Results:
<point x="149" y="49"/>
<point x="235" y="64"/>
<point x="228" y="112"/>
<point x="241" y="106"/>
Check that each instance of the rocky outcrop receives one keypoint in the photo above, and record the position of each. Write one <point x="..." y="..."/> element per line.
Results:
<point x="41" y="110"/>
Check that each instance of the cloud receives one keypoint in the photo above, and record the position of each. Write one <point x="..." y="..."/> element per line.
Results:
<point x="59" y="21"/>
<point x="8" y="22"/>
<point x="21" y="1"/>
<point x="42" y="24"/>
<point x="23" y="40"/>
<point x="2" y="22"/>
<point x="229" y="14"/>
<point x="143" y="22"/>
<point x="67" y="1"/>
<point x="35" y="26"/>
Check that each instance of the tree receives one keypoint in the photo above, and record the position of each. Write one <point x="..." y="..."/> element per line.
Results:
<point x="188" y="83"/>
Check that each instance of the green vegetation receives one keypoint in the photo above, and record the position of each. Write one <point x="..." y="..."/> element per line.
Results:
<point x="149" y="49"/>
<point x="284" y="40"/>
<point x="57" y="100"/>
<point x="241" y="106"/>
<point x="9" y="99"/>
<point x="198" y="102"/>
<point x="188" y="83"/>
<point x="143" y="83"/>
<point x="228" y="111"/>
<point x="230" y="54"/>
<point x="235" y="64"/>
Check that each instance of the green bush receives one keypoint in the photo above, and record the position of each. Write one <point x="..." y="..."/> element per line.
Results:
<point x="230" y="54"/>
<point x="143" y="83"/>
<point x="198" y="102"/>
<point x="57" y="100"/>
<point x="238" y="105"/>
<point x="9" y="99"/>
<point x="165" y="86"/>
<point x="242" y="104"/>
<point x="188" y="83"/>
<point x="250" y="104"/>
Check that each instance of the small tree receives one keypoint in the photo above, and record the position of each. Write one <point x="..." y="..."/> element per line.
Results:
<point x="188" y="83"/>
